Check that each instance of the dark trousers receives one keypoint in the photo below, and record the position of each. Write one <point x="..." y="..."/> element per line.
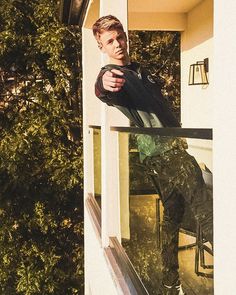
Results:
<point x="179" y="181"/>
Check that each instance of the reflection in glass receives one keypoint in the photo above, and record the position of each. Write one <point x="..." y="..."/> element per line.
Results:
<point x="144" y="245"/>
<point x="97" y="164"/>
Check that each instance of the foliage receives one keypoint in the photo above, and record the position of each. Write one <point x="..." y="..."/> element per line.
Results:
<point x="41" y="207"/>
<point x="140" y="183"/>
<point x="159" y="51"/>
<point x="142" y="248"/>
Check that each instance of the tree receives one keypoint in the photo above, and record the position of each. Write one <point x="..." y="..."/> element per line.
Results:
<point x="41" y="205"/>
<point x="159" y="51"/>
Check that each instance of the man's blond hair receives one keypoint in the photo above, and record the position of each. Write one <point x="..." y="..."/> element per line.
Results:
<point x="106" y="23"/>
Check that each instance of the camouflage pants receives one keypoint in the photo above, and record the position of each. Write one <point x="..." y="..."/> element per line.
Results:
<point x="179" y="181"/>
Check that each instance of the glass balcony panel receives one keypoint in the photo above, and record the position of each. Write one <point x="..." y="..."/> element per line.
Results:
<point x="141" y="221"/>
<point x="97" y="164"/>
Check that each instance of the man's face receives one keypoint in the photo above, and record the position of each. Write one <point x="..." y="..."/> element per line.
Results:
<point x="114" y="44"/>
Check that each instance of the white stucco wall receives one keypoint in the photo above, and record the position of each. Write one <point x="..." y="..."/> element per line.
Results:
<point x="98" y="279"/>
<point x="224" y="145"/>
<point x="91" y="105"/>
<point x="98" y="276"/>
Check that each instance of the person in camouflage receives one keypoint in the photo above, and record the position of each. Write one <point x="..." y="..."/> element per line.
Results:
<point x="131" y="89"/>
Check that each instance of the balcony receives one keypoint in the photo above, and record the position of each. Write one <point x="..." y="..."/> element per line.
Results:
<point x="134" y="256"/>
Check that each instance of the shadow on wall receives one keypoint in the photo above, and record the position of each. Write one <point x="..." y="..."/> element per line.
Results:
<point x="199" y="25"/>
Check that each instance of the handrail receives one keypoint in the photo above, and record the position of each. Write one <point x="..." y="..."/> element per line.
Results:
<point x="94" y="126"/>
<point x="200" y="133"/>
<point x="129" y="281"/>
<point x="94" y="212"/>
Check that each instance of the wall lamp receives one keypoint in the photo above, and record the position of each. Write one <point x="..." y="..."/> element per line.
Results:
<point x="198" y="73"/>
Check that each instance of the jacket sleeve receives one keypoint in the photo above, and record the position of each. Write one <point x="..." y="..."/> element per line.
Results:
<point x="162" y="106"/>
<point x="100" y="92"/>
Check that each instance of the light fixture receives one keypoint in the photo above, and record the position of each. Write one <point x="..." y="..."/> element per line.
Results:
<point x="198" y="73"/>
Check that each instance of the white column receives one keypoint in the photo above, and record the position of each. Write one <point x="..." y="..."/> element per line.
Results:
<point x="91" y="116"/>
<point x="110" y="145"/>
<point x="91" y="105"/>
<point x="224" y="145"/>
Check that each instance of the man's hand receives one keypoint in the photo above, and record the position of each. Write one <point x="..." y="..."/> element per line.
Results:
<point x="111" y="82"/>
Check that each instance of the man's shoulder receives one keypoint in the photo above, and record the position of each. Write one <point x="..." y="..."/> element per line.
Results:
<point x="144" y="71"/>
<point x="132" y="65"/>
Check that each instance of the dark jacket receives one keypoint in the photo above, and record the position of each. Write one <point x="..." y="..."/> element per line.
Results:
<point x="140" y="92"/>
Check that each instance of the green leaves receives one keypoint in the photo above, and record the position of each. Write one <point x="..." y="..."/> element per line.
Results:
<point x="159" y="51"/>
<point x="41" y="202"/>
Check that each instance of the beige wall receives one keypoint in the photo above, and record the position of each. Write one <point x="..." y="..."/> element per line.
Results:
<point x="159" y="14"/>
<point x="197" y="101"/>
<point x="156" y="21"/>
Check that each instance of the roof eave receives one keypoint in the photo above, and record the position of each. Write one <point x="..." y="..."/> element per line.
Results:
<point x="72" y="12"/>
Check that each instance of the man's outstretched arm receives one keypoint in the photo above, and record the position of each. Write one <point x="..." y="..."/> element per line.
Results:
<point x="108" y="81"/>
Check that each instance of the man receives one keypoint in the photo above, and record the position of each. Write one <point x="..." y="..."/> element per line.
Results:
<point x="130" y="88"/>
